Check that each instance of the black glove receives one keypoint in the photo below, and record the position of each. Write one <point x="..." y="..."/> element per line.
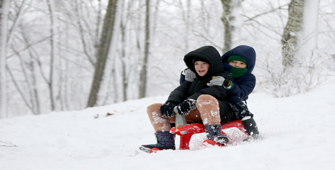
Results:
<point x="167" y="110"/>
<point x="186" y="106"/>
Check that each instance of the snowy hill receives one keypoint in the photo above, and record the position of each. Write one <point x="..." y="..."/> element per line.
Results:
<point x="298" y="133"/>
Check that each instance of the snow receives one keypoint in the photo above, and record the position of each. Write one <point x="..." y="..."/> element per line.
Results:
<point x="298" y="133"/>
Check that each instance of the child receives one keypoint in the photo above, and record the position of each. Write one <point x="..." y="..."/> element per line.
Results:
<point x="239" y="63"/>
<point x="197" y="101"/>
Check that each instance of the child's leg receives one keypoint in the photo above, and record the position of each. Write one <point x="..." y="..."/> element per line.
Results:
<point x="165" y="140"/>
<point x="240" y="108"/>
<point x="158" y="122"/>
<point x="209" y="110"/>
<point x="243" y="113"/>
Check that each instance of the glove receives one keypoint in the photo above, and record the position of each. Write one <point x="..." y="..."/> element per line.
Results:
<point x="227" y="84"/>
<point x="216" y="81"/>
<point x="189" y="75"/>
<point x="221" y="81"/>
<point x="167" y="110"/>
<point x="186" y="106"/>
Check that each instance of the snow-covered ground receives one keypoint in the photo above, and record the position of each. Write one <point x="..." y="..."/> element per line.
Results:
<point x="298" y="132"/>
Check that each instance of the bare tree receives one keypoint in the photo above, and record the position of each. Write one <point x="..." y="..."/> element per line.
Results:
<point x="52" y="54"/>
<point x="123" y="24"/>
<point x="143" y="74"/>
<point x="102" y="53"/>
<point x="291" y="31"/>
<point x="4" y="6"/>
<point x="228" y="19"/>
<point x="88" y="36"/>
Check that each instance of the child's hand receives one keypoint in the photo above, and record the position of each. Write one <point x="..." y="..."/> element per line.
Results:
<point x="189" y="75"/>
<point x="186" y="106"/>
<point x="216" y="81"/>
<point x="167" y="110"/>
<point x="221" y="81"/>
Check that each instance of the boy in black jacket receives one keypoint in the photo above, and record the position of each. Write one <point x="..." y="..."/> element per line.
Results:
<point x="197" y="101"/>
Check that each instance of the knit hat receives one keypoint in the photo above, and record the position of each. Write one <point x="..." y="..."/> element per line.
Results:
<point x="237" y="58"/>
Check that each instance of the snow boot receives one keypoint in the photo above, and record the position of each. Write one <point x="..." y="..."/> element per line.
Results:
<point x="243" y="113"/>
<point x="213" y="133"/>
<point x="251" y="128"/>
<point x="165" y="140"/>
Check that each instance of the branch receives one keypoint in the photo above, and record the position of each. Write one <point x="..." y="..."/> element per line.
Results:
<point x="19" y="51"/>
<point x="19" y="90"/>
<point x="264" y="13"/>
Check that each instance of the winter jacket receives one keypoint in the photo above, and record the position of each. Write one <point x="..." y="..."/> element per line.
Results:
<point x="199" y="86"/>
<point x="245" y="84"/>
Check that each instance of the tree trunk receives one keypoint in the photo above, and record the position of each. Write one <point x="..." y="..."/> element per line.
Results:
<point x="228" y="19"/>
<point x="102" y="53"/>
<point x="52" y="54"/>
<point x="143" y="74"/>
<point x="291" y="32"/>
<point x="123" y="61"/>
<point x="4" y="8"/>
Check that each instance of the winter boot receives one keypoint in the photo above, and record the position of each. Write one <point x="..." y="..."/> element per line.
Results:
<point x="251" y="128"/>
<point x="165" y="140"/>
<point x="214" y="133"/>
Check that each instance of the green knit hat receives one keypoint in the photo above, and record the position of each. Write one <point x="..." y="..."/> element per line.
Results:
<point x="237" y="58"/>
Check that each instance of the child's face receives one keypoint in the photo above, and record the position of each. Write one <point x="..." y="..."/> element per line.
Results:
<point x="237" y="64"/>
<point x="201" y="68"/>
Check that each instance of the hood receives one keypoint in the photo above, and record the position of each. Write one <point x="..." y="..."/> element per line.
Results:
<point x="208" y="54"/>
<point x="246" y="52"/>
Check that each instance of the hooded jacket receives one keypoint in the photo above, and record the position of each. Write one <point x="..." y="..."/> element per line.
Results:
<point x="199" y="86"/>
<point x="245" y="84"/>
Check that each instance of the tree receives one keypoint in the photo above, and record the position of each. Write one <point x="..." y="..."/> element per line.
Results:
<point x="230" y="8"/>
<point x="103" y="51"/>
<point x="4" y="6"/>
<point x="291" y="31"/>
<point x="143" y="74"/>
<point x="52" y="54"/>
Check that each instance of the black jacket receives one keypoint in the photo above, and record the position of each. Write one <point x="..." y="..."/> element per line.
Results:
<point x="199" y="86"/>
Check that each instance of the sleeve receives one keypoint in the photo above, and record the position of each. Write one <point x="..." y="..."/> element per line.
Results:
<point x="182" y="77"/>
<point x="244" y="87"/>
<point x="179" y="94"/>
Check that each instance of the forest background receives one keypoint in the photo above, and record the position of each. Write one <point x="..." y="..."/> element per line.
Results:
<point x="68" y="55"/>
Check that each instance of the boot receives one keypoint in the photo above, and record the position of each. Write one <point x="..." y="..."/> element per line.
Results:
<point x="251" y="128"/>
<point x="165" y="140"/>
<point x="214" y="133"/>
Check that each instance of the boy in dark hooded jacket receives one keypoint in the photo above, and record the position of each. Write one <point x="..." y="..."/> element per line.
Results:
<point x="197" y="101"/>
<point x="239" y="63"/>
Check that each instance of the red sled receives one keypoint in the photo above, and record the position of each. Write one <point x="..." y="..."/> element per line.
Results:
<point x="185" y="132"/>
